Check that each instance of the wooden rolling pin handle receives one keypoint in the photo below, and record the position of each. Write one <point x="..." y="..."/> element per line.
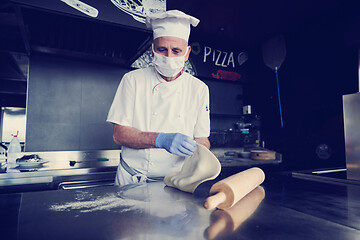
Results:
<point x="215" y="200"/>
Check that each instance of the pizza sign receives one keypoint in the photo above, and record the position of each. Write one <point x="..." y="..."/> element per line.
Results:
<point x="217" y="63"/>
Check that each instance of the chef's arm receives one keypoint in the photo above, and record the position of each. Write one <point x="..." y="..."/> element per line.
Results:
<point x="203" y="141"/>
<point x="133" y="138"/>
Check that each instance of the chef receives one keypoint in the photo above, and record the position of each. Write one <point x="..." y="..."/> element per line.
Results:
<point x="159" y="113"/>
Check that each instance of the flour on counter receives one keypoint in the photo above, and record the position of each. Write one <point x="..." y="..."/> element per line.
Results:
<point x="107" y="202"/>
<point x="83" y="195"/>
<point x="153" y="199"/>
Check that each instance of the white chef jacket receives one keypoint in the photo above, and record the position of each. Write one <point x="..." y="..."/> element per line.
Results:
<point x="145" y="101"/>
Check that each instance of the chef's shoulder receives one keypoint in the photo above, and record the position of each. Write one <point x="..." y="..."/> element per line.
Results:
<point x="138" y="74"/>
<point x="195" y="82"/>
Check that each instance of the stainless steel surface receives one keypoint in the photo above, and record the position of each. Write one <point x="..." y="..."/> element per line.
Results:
<point x="86" y="184"/>
<point x="291" y="209"/>
<point x="60" y="157"/>
<point x="351" y="108"/>
<point x="61" y="166"/>
<point x="337" y="179"/>
<point x="27" y="180"/>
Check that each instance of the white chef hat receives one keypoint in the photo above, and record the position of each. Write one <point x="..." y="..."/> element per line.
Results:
<point x="173" y="23"/>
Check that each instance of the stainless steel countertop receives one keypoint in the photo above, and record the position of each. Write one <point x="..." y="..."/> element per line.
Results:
<point x="292" y="209"/>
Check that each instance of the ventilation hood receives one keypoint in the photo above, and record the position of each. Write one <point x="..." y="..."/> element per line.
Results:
<point x="92" y="29"/>
<point x="106" y="31"/>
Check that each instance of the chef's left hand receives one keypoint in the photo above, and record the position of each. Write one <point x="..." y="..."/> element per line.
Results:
<point x="176" y="143"/>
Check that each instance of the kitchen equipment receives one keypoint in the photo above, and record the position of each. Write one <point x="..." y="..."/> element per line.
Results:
<point x="249" y="127"/>
<point x="225" y="193"/>
<point x="351" y="108"/>
<point x="262" y="155"/>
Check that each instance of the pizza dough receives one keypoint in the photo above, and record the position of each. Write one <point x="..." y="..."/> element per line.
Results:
<point x="197" y="168"/>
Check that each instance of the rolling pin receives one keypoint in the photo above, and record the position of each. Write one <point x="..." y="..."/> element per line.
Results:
<point x="224" y="222"/>
<point x="225" y="193"/>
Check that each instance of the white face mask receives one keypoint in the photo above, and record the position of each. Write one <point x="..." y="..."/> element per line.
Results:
<point x="168" y="66"/>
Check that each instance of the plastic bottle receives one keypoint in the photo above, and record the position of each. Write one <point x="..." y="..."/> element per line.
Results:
<point x="14" y="147"/>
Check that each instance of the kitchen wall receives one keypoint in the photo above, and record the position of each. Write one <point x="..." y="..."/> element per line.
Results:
<point x="68" y="102"/>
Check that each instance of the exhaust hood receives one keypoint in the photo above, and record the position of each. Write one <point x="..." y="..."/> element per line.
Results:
<point x="130" y="13"/>
<point x="111" y="31"/>
<point x="105" y="31"/>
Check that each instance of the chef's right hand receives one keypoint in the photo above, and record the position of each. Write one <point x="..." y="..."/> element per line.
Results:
<point x="176" y="143"/>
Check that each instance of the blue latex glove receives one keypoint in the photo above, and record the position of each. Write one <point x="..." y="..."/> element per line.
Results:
<point x="176" y="143"/>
